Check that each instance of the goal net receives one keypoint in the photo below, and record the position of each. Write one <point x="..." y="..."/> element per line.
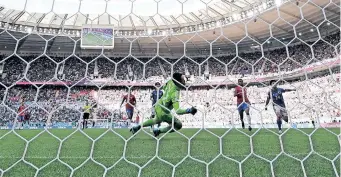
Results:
<point x="264" y="76"/>
<point x="97" y="123"/>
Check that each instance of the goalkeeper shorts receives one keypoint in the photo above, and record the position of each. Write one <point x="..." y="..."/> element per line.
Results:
<point x="161" y="116"/>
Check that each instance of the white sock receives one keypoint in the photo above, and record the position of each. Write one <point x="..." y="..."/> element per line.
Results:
<point x="129" y="122"/>
<point x="248" y="119"/>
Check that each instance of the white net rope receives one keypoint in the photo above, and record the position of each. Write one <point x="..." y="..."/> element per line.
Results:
<point x="310" y="46"/>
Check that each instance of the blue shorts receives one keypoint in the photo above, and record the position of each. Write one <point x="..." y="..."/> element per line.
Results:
<point x="242" y="107"/>
<point x="130" y="113"/>
<point x="21" y="118"/>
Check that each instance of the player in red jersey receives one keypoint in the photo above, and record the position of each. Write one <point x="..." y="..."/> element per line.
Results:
<point x="137" y="120"/>
<point x="242" y="103"/>
<point x="21" y="114"/>
<point x="131" y="103"/>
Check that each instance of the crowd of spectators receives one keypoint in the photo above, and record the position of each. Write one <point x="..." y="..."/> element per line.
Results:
<point x="75" y="69"/>
<point x="315" y="98"/>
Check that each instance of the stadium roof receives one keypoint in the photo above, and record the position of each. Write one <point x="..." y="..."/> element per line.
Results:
<point x="308" y="20"/>
<point x="127" y="14"/>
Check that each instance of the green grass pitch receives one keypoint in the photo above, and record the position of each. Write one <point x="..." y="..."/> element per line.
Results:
<point x="95" y="40"/>
<point x="173" y="148"/>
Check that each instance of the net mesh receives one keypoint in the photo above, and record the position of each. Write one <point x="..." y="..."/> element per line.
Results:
<point x="53" y="76"/>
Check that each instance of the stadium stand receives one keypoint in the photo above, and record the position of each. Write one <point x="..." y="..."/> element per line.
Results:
<point x="69" y="64"/>
<point x="73" y="69"/>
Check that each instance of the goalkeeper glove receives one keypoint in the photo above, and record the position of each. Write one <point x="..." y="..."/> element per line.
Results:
<point x="192" y="110"/>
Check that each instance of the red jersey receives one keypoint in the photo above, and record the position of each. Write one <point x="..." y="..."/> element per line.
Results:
<point x="240" y="96"/>
<point x="130" y="102"/>
<point x="21" y="111"/>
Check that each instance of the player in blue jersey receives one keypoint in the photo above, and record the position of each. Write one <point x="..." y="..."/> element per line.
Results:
<point x="276" y="94"/>
<point x="155" y="96"/>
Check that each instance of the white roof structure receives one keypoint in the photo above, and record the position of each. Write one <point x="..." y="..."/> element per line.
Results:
<point x="193" y="24"/>
<point x="125" y="14"/>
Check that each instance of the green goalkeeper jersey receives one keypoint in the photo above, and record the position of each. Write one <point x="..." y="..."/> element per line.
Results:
<point x="170" y="98"/>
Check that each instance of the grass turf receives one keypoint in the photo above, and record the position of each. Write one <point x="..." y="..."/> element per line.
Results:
<point x="204" y="146"/>
<point x="96" y="40"/>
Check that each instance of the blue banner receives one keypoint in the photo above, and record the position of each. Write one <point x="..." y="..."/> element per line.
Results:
<point x="68" y="125"/>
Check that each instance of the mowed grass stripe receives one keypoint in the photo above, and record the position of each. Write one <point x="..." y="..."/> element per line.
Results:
<point x="141" y="149"/>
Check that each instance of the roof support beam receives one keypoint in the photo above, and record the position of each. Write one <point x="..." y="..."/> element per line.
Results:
<point x="119" y="20"/>
<point x="226" y="10"/>
<point x="76" y="18"/>
<point x="196" y="17"/>
<point x="54" y="17"/>
<point x="232" y="4"/>
<point x="185" y="18"/>
<point x="8" y="13"/>
<point x="40" y="19"/>
<point x="229" y="8"/>
<point x="87" y="19"/>
<point x="18" y="16"/>
<point x="204" y="12"/>
<point x="64" y="19"/>
<point x="165" y="21"/>
<point x="142" y="21"/>
<point x="215" y="12"/>
<point x="189" y="20"/>
<point x="245" y="2"/>
<point x="29" y="18"/>
<point x="154" y="22"/>
<point x="176" y="21"/>
<point x="132" y="22"/>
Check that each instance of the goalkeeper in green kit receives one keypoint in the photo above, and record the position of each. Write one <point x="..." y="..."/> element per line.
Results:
<point x="169" y="101"/>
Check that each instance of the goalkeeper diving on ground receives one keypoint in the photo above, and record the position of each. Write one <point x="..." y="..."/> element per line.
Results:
<point x="164" y="106"/>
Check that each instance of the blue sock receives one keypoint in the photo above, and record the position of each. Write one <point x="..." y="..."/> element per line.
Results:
<point x="279" y="123"/>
